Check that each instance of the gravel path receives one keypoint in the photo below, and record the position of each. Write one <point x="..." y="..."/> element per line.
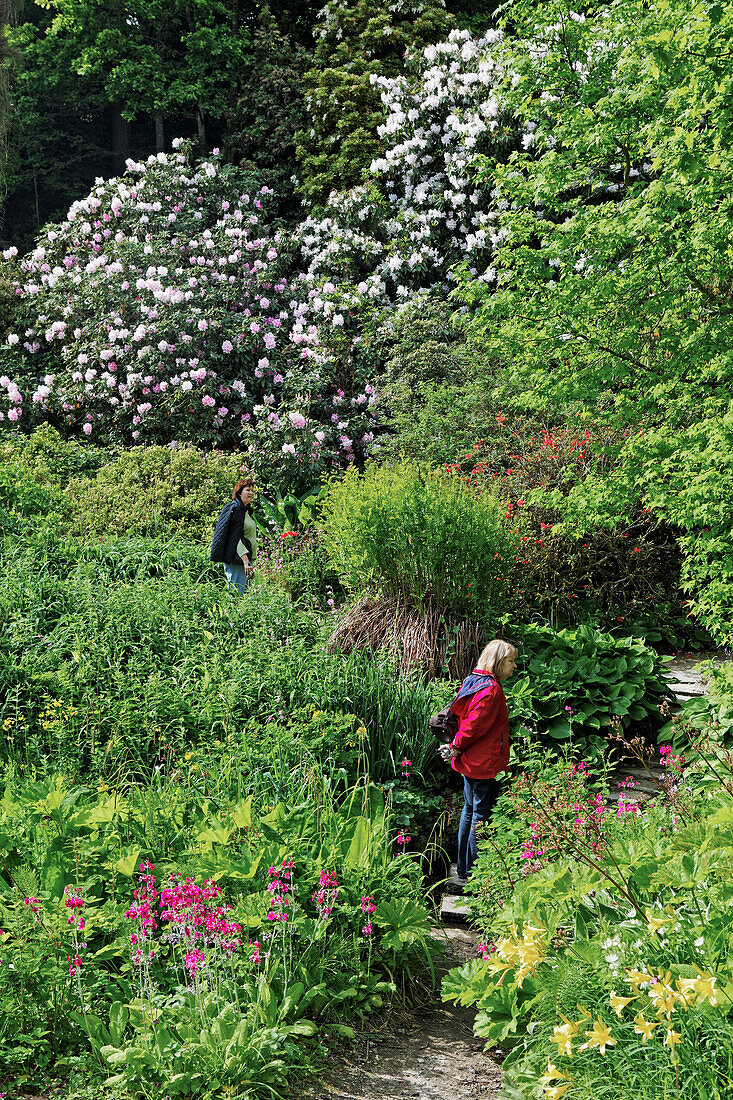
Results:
<point x="431" y="1054"/>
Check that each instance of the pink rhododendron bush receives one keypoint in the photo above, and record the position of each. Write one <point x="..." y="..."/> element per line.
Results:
<point x="159" y="310"/>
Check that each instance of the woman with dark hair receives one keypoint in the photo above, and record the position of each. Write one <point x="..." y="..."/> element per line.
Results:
<point x="480" y="748"/>
<point x="235" y="537"/>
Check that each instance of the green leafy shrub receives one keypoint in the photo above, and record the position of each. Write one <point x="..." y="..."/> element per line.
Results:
<point x="50" y="460"/>
<point x="153" y="491"/>
<point x="625" y="573"/>
<point x="575" y="684"/>
<point x="417" y="535"/>
<point x="23" y="501"/>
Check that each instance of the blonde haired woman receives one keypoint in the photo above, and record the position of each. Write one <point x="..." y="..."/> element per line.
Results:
<point x="480" y="749"/>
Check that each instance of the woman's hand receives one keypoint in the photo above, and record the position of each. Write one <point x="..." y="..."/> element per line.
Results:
<point x="449" y="752"/>
<point x="248" y="568"/>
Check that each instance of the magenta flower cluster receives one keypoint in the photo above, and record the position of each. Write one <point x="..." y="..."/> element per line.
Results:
<point x="368" y="907"/>
<point x="198" y="924"/>
<point x="326" y="894"/>
<point x="145" y="895"/>
<point x="74" y="901"/>
<point x="280" y="889"/>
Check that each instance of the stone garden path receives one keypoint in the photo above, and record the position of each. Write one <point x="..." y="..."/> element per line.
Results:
<point x="685" y="682"/>
<point x="430" y="1054"/>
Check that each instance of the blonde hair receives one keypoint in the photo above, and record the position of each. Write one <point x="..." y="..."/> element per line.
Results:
<point x="494" y="653"/>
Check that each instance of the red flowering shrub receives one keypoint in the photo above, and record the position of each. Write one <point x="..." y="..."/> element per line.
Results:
<point x="618" y="575"/>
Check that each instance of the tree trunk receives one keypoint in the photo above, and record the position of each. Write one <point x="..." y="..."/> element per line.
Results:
<point x="159" y="132"/>
<point x="120" y="140"/>
<point x="201" y="127"/>
<point x="234" y="84"/>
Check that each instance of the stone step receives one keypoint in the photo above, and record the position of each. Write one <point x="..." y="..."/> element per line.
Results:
<point x="454" y="910"/>
<point x="638" y="773"/>
<point x="683" y="694"/>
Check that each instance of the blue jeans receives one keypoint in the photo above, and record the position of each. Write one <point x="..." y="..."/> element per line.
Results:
<point x="479" y="796"/>
<point x="237" y="576"/>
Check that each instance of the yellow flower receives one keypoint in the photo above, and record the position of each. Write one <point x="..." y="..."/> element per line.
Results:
<point x="655" y="923"/>
<point x="188" y="755"/>
<point x="663" y="997"/>
<point x="687" y="990"/>
<point x="618" y="1004"/>
<point x="552" y="1073"/>
<point x="361" y="732"/>
<point x="522" y="953"/>
<point x="705" y="987"/>
<point x="563" y="1036"/>
<point x="554" y="1092"/>
<point x="599" y="1036"/>
<point x="672" y="1038"/>
<point x="643" y="1027"/>
<point x="635" y="978"/>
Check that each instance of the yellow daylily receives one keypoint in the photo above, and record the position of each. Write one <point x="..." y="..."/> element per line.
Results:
<point x="521" y="954"/>
<point x="705" y="987"/>
<point x="672" y="1038"/>
<point x="551" y="1073"/>
<point x="687" y="990"/>
<point x="554" y="1092"/>
<point x="643" y="1027"/>
<point x="655" y="923"/>
<point x="563" y="1035"/>
<point x="635" y="978"/>
<point x="618" y="1004"/>
<point x="497" y="966"/>
<point x="664" y="998"/>
<point x="599" y="1036"/>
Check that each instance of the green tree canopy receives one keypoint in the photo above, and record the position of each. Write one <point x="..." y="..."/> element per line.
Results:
<point x="612" y="287"/>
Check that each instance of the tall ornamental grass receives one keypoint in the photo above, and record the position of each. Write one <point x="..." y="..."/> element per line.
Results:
<point x="420" y="536"/>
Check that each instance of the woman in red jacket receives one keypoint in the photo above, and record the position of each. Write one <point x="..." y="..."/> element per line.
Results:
<point x="480" y="749"/>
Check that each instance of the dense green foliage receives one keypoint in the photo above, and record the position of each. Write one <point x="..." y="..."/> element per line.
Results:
<point x="544" y="453"/>
<point x="139" y="646"/>
<point x="575" y="685"/>
<point x="270" y="111"/>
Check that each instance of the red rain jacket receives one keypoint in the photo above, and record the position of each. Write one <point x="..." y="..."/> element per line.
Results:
<point x="483" y="732"/>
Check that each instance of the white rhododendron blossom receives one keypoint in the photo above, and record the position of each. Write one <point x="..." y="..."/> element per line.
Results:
<point x="421" y="214"/>
<point x="387" y="242"/>
<point x="142" y="329"/>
